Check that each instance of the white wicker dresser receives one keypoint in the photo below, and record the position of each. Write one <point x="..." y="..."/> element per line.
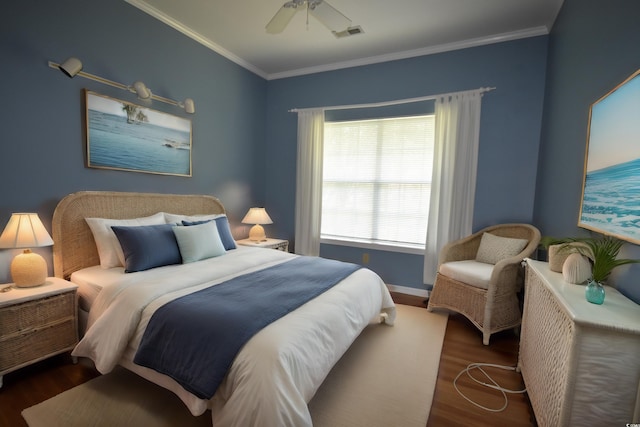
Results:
<point x="580" y="362"/>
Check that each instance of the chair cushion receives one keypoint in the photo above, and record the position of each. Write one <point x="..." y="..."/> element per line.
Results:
<point x="471" y="272"/>
<point x="495" y="248"/>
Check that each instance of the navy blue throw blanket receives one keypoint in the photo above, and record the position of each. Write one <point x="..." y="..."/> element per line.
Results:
<point x="194" y="339"/>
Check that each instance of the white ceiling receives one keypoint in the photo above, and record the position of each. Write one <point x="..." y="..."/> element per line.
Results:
<point x="392" y="30"/>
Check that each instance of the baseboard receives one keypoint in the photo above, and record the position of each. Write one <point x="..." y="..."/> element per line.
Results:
<point x="408" y="291"/>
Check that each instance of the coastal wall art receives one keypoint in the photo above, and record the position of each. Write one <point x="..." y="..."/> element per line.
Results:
<point x="125" y="136"/>
<point x="611" y="187"/>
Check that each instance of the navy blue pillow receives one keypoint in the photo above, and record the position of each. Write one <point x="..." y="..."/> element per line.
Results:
<point x="224" y="230"/>
<point x="148" y="246"/>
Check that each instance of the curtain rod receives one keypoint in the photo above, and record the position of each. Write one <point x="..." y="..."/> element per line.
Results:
<point x="396" y="102"/>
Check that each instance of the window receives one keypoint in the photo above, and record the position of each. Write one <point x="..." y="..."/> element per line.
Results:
<point x="377" y="181"/>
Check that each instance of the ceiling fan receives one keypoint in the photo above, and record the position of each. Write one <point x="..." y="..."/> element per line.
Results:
<point x="319" y="9"/>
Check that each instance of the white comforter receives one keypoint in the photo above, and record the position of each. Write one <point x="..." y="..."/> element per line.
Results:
<point x="277" y="372"/>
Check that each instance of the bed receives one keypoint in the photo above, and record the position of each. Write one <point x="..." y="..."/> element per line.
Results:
<point x="275" y="373"/>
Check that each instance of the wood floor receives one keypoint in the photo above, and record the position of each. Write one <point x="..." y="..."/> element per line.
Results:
<point x="462" y="346"/>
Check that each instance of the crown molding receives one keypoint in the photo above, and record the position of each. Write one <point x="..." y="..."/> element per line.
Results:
<point x="480" y="41"/>
<point x="464" y="44"/>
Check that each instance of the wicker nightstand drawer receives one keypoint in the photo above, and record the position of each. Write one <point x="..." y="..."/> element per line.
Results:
<point x="36" y="323"/>
<point x="36" y="344"/>
<point x="31" y="314"/>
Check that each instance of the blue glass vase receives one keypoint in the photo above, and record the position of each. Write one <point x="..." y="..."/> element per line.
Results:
<point x="594" y="292"/>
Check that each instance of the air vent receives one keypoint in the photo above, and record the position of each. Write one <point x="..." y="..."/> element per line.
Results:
<point x="351" y="31"/>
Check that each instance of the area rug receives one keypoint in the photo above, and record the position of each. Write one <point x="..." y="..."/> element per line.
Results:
<point x="386" y="378"/>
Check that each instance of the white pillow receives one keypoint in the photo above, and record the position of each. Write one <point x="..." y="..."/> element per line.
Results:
<point x="109" y="249"/>
<point x="177" y="219"/>
<point x="198" y="242"/>
<point x="495" y="248"/>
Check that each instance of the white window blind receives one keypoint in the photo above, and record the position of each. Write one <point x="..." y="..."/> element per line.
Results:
<point x="377" y="180"/>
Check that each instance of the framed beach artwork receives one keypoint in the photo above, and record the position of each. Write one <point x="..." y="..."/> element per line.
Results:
<point x="126" y="136"/>
<point x="611" y="187"/>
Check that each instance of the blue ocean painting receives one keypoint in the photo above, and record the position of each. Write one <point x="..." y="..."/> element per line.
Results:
<point x="611" y="201"/>
<point x="136" y="143"/>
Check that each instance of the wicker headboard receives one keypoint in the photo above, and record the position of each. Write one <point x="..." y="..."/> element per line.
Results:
<point x="74" y="247"/>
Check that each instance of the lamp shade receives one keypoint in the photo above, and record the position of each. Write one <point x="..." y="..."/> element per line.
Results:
<point x="25" y="230"/>
<point x="257" y="216"/>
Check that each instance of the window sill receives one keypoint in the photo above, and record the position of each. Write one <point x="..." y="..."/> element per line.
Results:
<point x="374" y="246"/>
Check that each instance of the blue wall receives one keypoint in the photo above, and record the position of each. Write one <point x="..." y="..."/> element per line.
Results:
<point x="42" y="111"/>
<point x="593" y="47"/>
<point x="509" y="135"/>
<point x="245" y="140"/>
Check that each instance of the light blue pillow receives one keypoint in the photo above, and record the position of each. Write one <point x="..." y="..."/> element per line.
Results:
<point x="147" y="246"/>
<point x="224" y="230"/>
<point x="199" y="242"/>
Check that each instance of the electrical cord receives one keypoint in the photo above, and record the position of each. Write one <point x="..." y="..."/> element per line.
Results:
<point x="493" y="385"/>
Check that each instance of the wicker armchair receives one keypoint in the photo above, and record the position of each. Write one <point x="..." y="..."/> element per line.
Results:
<point x="497" y="307"/>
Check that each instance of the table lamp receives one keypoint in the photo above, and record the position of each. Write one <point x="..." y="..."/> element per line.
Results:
<point x="257" y="216"/>
<point x="25" y="230"/>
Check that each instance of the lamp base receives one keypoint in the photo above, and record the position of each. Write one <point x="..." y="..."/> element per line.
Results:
<point x="257" y="233"/>
<point x="28" y="270"/>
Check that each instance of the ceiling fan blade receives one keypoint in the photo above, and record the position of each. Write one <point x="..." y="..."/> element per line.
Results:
<point x="281" y="19"/>
<point x="329" y="16"/>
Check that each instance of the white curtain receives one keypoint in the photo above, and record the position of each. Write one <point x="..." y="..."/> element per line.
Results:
<point x="309" y="181"/>
<point x="453" y="187"/>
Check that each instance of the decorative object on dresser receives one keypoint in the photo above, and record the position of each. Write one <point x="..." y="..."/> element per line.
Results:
<point x="603" y="254"/>
<point x="557" y="255"/>
<point x="25" y="230"/>
<point x="576" y="269"/>
<point x="480" y="276"/>
<point x="257" y="216"/>
<point x="580" y="367"/>
<point x="279" y="244"/>
<point x="36" y="323"/>
<point x="558" y="250"/>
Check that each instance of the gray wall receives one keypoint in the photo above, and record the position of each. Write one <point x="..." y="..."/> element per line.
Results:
<point x="593" y="47"/>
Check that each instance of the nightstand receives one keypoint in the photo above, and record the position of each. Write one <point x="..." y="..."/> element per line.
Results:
<point x="36" y="323"/>
<point x="279" y="244"/>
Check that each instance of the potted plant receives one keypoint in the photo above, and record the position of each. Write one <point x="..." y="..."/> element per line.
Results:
<point x="603" y="254"/>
